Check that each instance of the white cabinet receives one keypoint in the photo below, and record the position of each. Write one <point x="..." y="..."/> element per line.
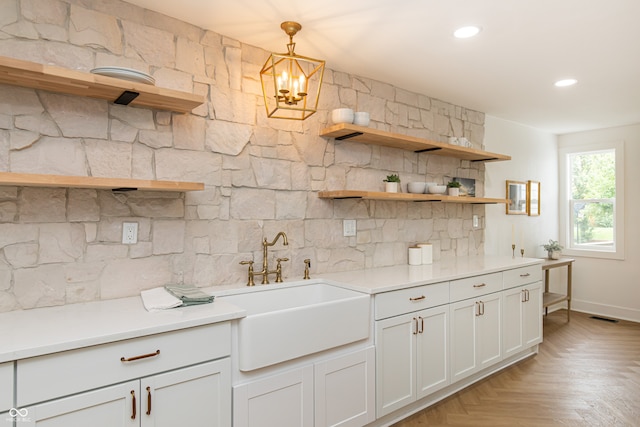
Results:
<point x="522" y="309"/>
<point x="106" y="407"/>
<point x="334" y="392"/>
<point x="281" y="400"/>
<point x="7" y="415"/>
<point x="475" y="334"/>
<point x="412" y="349"/>
<point x="411" y="357"/>
<point x="195" y="396"/>
<point x="345" y="390"/>
<point x="181" y="377"/>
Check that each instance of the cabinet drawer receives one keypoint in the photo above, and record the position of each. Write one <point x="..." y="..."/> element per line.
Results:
<point x="6" y="386"/>
<point x="60" y="374"/>
<point x="402" y="301"/>
<point x="521" y="276"/>
<point x="472" y="287"/>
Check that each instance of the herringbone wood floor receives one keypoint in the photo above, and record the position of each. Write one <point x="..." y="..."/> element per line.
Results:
<point x="587" y="373"/>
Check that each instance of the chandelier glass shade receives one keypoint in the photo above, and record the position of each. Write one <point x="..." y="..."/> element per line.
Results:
<point x="291" y="83"/>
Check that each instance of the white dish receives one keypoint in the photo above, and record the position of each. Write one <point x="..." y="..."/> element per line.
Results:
<point x="342" y="115"/>
<point x="416" y="187"/>
<point x="437" y="189"/>
<point x="361" y="118"/>
<point x="125" y="74"/>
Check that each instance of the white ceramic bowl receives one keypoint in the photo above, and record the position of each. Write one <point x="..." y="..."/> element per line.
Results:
<point x="416" y="187"/>
<point x="361" y="118"/>
<point x="427" y="185"/>
<point x="438" y="189"/>
<point x="342" y="115"/>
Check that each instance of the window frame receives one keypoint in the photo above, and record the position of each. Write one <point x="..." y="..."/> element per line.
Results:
<point x="564" y="182"/>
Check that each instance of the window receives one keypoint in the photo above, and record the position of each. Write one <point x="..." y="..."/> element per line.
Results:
<point x="592" y="200"/>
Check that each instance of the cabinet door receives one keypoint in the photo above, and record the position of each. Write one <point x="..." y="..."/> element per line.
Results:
<point x="512" y="328"/>
<point x="395" y="363"/>
<point x="345" y="390"/>
<point x="522" y="318"/>
<point x="532" y="316"/>
<point x="281" y="400"/>
<point x="113" y="406"/>
<point x="463" y="338"/>
<point x="489" y="331"/>
<point x="432" y="350"/>
<point x="196" y="396"/>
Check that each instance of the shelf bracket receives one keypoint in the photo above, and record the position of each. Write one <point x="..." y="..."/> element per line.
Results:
<point x="428" y="149"/>
<point x="349" y="135"/>
<point x="126" y="97"/>
<point x="123" y="189"/>
<point x="488" y="159"/>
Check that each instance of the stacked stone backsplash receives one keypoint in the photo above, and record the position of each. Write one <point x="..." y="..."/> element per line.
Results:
<point x="60" y="246"/>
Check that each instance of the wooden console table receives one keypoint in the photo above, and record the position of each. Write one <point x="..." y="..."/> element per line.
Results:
<point x="550" y="298"/>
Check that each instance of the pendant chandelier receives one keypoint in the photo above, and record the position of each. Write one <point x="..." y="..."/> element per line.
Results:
<point x="290" y="82"/>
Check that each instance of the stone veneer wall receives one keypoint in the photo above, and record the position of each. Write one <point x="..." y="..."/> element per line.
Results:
<point x="60" y="246"/>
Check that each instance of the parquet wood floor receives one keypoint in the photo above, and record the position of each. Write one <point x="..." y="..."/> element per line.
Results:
<point x="587" y="373"/>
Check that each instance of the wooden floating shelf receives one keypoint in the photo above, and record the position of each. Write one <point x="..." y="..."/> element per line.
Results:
<point x="115" y="184"/>
<point x="406" y="197"/>
<point x="365" y="135"/>
<point x="56" y="79"/>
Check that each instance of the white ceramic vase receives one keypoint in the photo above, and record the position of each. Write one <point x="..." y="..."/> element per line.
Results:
<point x="454" y="191"/>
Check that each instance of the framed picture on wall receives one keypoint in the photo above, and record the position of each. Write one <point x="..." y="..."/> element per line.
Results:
<point x="517" y="195"/>
<point x="533" y="198"/>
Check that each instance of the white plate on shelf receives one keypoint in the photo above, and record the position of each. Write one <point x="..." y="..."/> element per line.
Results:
<point x="125" y="74"/>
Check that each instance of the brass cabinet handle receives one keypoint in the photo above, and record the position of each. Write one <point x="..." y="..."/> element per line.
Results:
<point x="525" y="275"/>
<point x="524" y="295"/>
<point x="421" y="324"/>
<point x="527" y="294"/>
<point x="148" y="400"/>
<point x="133" y="405"/>
<point x="481" y="285"/>
<point x="480" y="311"/>
<point x="142" y="356"/>
<point x="415" y="326"/>
<point x="417" y="298"/>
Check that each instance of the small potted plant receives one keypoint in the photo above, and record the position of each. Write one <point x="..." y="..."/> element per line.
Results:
<point x="553" y="249"/>
<point x="392" y="183"/>
<point x="453" y="188"/>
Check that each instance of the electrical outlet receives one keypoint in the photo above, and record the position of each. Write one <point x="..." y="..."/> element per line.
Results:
<point x="129" y="233"/>
<point x="349" y="227"/>
<point x="476" y="222"/>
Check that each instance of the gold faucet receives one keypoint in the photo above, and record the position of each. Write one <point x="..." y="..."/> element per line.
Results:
<point x="265" y="262"/>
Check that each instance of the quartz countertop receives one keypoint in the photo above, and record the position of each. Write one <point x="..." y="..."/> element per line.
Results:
<point x="35" y="332"/>
<point x="385" y="279"/>
<point x="29" y="333"/>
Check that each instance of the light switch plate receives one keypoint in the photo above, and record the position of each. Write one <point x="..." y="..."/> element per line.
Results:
<point x="349" y="227"/>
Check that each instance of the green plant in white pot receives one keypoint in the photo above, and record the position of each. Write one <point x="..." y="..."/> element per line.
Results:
<point x="453" y="187"/>
<point x="553" y="249"/>
<point x="392" y="183"/>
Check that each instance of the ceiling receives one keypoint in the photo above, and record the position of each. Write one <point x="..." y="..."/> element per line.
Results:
<point x="507" y="71"/>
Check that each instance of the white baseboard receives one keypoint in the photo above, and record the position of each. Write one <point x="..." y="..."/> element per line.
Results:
<point x="604" y="310"/>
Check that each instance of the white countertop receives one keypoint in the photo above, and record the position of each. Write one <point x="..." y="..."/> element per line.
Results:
<point x="385" y="279"/>
<point x="30" y="333"/>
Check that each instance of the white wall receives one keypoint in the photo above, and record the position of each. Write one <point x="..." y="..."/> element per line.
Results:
<point x="534" y="157"/>
<point x="612" y="287"/>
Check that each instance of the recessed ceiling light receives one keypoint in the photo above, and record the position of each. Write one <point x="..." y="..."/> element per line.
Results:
<point x="565" y="82"/>
<point x="466" y="32"/>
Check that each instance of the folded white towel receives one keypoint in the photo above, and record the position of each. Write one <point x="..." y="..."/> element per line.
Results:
<point x="157" y="299"/>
